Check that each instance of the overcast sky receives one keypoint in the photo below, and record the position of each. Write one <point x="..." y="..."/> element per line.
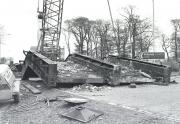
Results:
<point x="19" y="18"/>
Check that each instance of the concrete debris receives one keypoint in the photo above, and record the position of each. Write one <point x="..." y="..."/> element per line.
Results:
<point x="160" y="83"/>
<point x="47" y="100"/>
<point x="109" y="88"/>
<point x="38" y="86"/>
<point x="174" y="82"/>
<point x="22" y="88"/>
<point x="69" y="67"/>
<point x="98" y="95"/>
<point x="129" y="75"/>
<point x="129" y="71"/>
<point x="132" y="85"/>
<point x="145" y="74"/>
<point x="86" y="87"/>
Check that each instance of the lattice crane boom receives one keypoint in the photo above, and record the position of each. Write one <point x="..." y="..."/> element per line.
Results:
<point x="51" y="20"/>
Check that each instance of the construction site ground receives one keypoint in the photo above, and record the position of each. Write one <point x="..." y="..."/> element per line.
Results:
<point x="145" y="104"/>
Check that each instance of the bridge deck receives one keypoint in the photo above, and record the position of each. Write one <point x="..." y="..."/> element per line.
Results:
<point x="70" y="72"/>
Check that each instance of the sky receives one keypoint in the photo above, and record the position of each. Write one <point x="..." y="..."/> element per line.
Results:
<point x="19" y="19"/>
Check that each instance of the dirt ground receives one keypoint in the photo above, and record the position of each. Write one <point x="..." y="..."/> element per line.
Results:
<point x="33" y="110"/>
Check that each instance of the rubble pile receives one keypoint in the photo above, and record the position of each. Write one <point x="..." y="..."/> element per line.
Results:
<point x="87" y="87"/>
<point x="69" y="67"/>
<point x="129" y="75"/>
<point x="129" y="72"/>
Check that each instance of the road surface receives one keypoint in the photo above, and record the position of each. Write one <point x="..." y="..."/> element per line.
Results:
<point x="163" y="101"/>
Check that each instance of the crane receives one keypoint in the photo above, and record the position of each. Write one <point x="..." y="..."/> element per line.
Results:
<point x="51" y="20"/>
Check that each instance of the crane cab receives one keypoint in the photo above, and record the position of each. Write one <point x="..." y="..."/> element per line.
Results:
<point x="9" y="86"/>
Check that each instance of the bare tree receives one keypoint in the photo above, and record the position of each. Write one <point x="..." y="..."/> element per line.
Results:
<point x="119" y="35"/>
<point x="67" y="40"/>
<point x="67" y="33"/>
<point x="136" y="29"/>
<point x="130" y="19"/>
<point x="1" y="35"/>
<point x="144" y="37"/>
<point x="166" y="44"/>
<point x="103" y="29"/>
<point x="79" y="30"/>
<point x="89" y="29"/>
<point x="94" y="41"/>
<point x="96" y="38"/>
<point x="175" y="23"/>
<point x="125" y="37"/>
<point x="122" y="34"/>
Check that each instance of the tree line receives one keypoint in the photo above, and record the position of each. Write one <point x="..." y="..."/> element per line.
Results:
<point x="130" y="36"/>
<point x="171" y="44"/>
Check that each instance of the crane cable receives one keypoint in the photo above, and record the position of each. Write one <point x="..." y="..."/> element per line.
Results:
<point x="112" y="21"/>
<point x="38" y="7"/>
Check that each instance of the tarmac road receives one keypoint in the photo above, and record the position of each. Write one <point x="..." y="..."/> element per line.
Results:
<point x="31" y="110"/>
<point x="163" y="101"/>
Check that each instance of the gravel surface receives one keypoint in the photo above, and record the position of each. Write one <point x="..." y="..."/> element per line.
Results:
<point x="33" y="110"/>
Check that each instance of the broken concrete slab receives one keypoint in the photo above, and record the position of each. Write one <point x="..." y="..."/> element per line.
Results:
<point x="32" y="89"/>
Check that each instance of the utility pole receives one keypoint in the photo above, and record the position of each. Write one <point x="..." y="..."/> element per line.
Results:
<point x="153" y="27"/>
<point x="0" y="46"/>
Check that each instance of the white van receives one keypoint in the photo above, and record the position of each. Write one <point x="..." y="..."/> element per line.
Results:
<point x="9" y="87"/>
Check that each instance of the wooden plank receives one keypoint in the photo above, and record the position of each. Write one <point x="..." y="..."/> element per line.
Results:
<point x="32" y="89"/>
